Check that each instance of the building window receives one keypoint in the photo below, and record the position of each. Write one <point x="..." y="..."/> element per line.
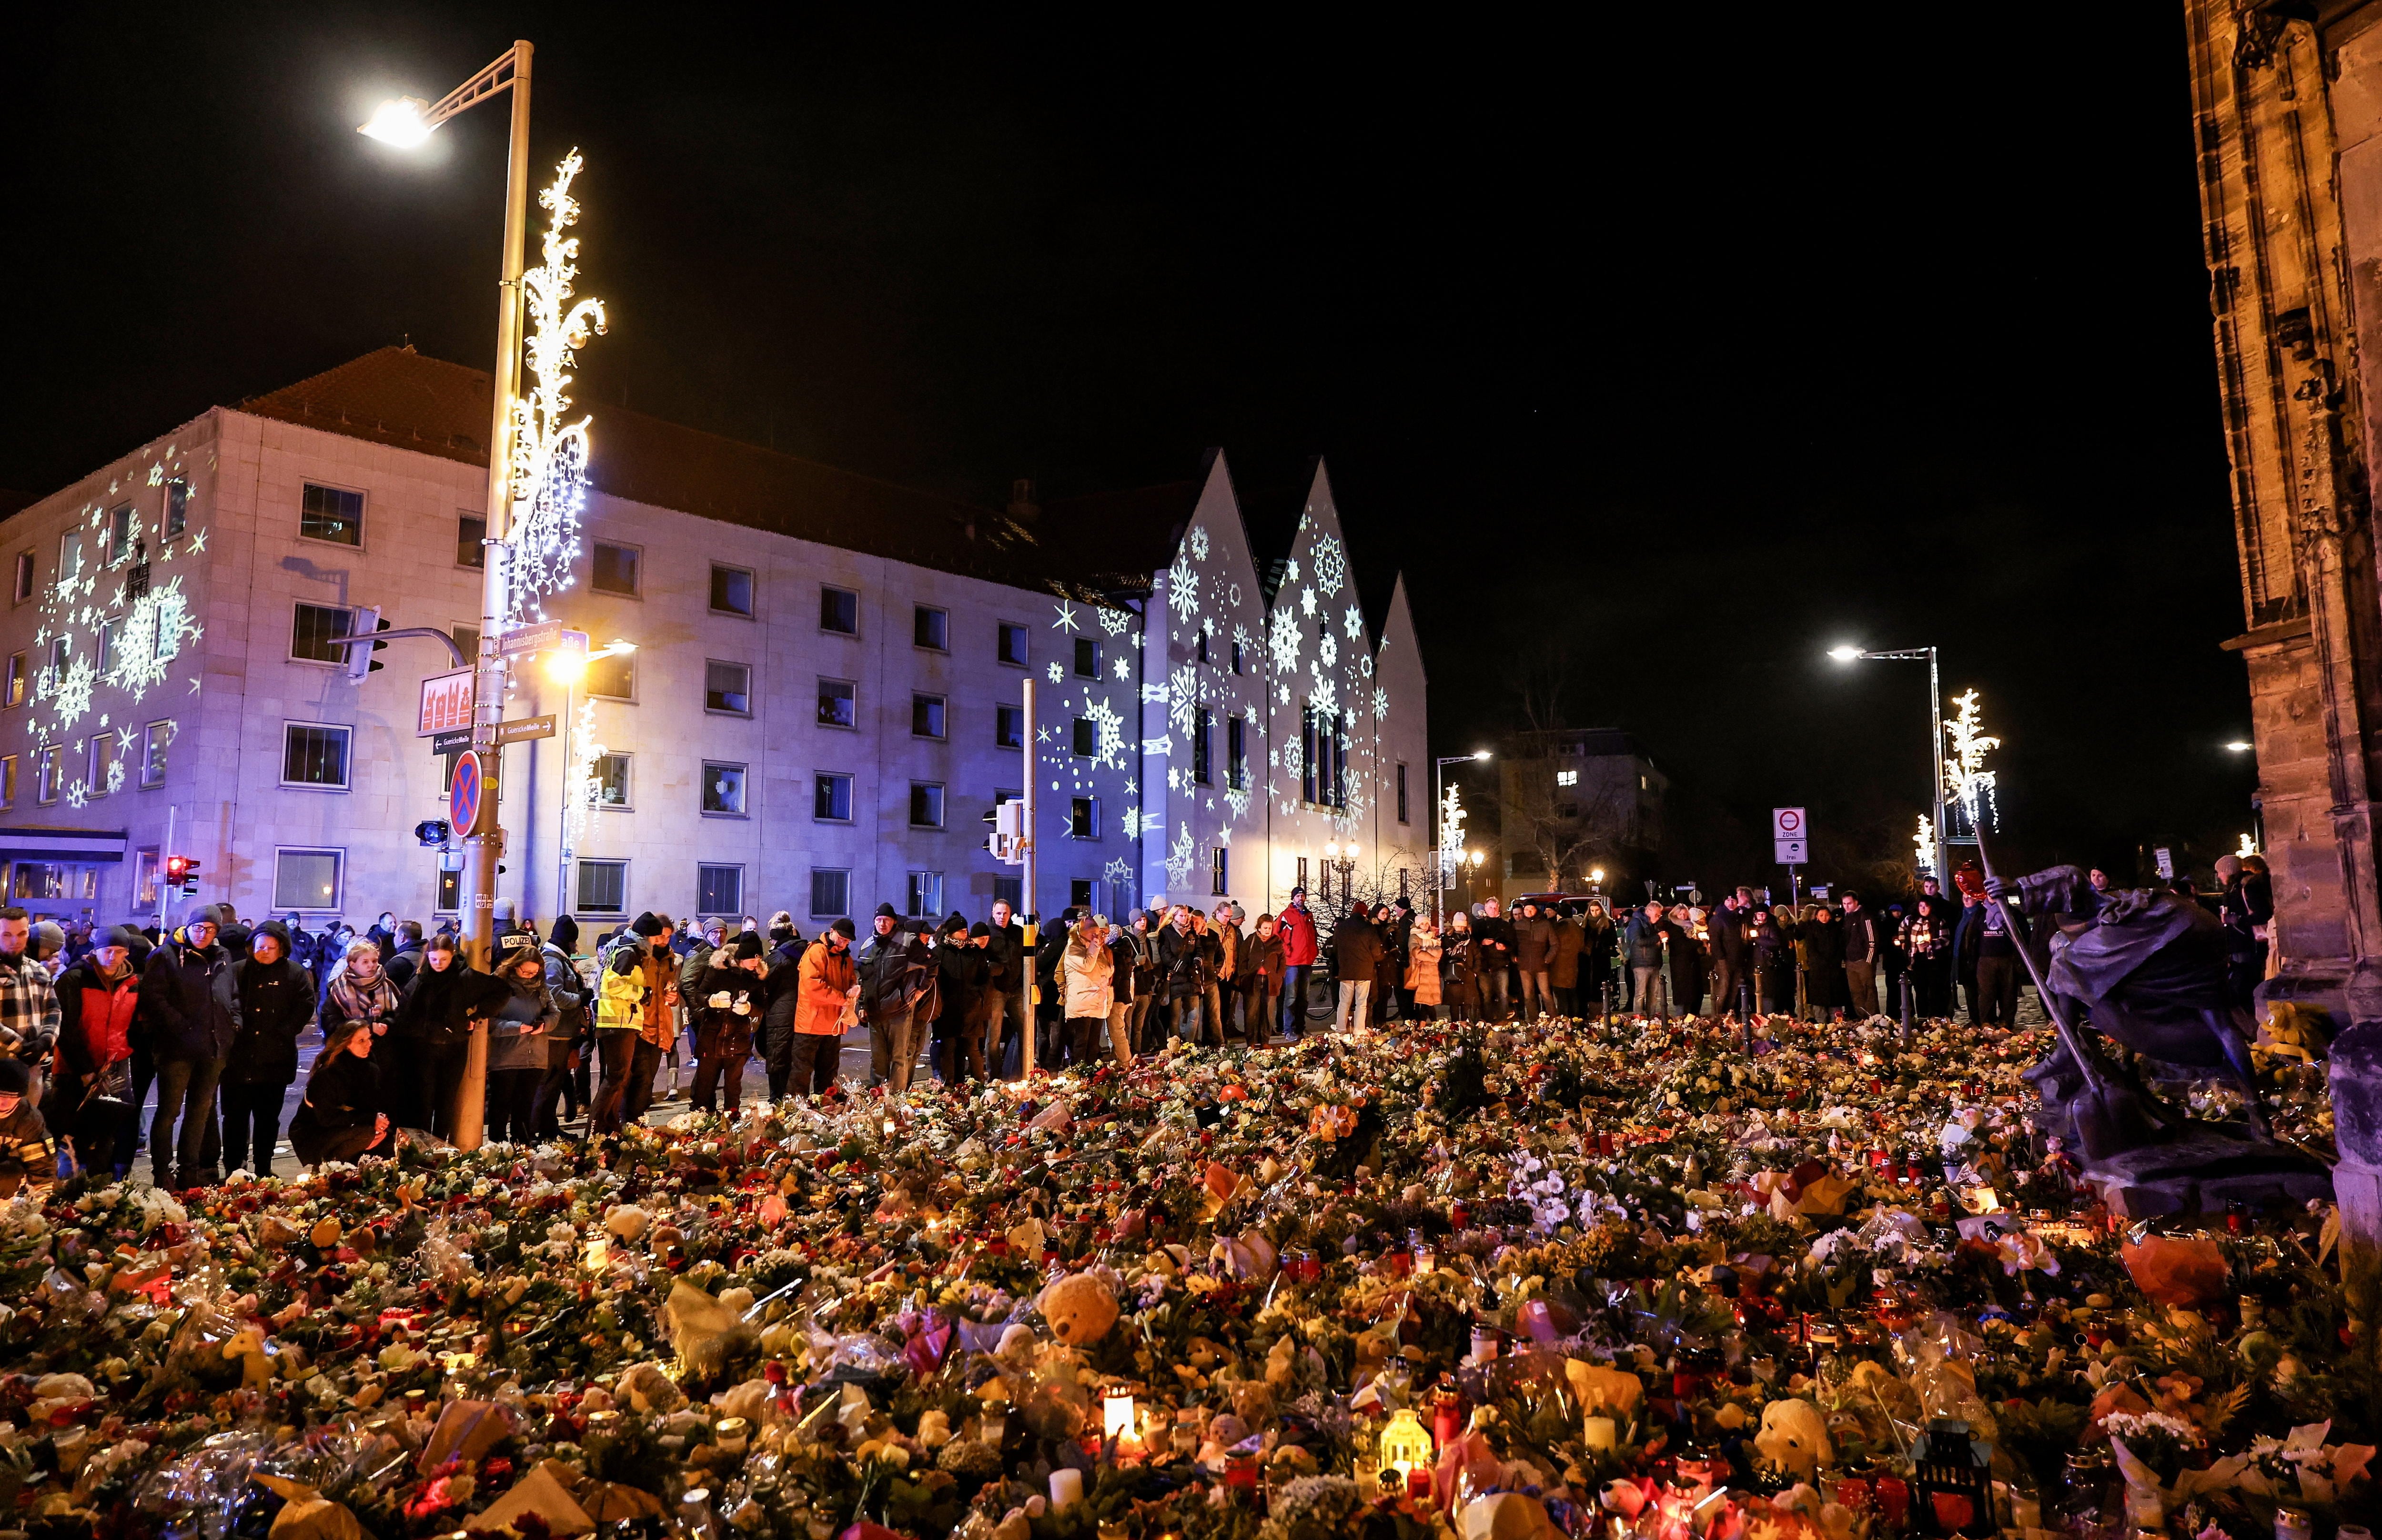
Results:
<point x="719" y="890"/>
<point x="616" y="569"/>
<point x="1323" y="762"/>
<point x="603" y="887"/>
<point x="835" y="707"/>
<point x="471" y="540"/>
<point x="839" y="611"/>
<point x="1219" y="870"/>
<point x="307" y="879"/>
<point x="931" y="628"/>
<point x="178" y="506"/>
<point x="1302" y="872"/>
<point x="467" y="640"/>
<point x="16" y="695"/>
<point x="1236" y="657"/>
<point x="926" y="717"/>
<point x="831" y="892"/>
<point x="1563" y="778"/>
<point x="144" y="878"/>
<point x="46" y="774"/>
<point x="47" y="685"/>
<point x="1402" y="793"/>
<point x="1088" y="737"/>
<point x="1010" y="891"/>
<point x="154" y="740"/>
<point x="450" y="895"/>
<point x="1236" y="754"/>
<point x="69" y="557"/>
<point x="1084" y="817"/>
<point x="1079" y="893"/>
<point x="315" y="632"/>
<point x="24" y="588"/>
<point x="328" y="513"/>
<point x="1087" y="657"/>
<point x="1203" y="647"/>
<point x="832" y="799"/>
<point x="926" y="805"/>
<point x="723" y="788"/>
<point x="1008" y="726"/>
<point x="1203" y="729"/>
<point x="120" y="532"/>
<point x="614" y="677"/>
<point x="8" y="782"/>
<point x="731" y="590"/>
<point x="727" y="687"/>
<point x="926" y="895"/>
<point x="1012" y="643"/>
<point x="105" y="766"/>
<point x="110" y="632"/>
<point x="314" y="754"/>
<point x="49" y="880"/>
<point x="611" y="782"/>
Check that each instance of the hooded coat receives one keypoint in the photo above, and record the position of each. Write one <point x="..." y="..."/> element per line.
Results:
<point x="277" y="1005"/>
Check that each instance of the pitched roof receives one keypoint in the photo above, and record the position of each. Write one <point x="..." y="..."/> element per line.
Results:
<point x="396" y="397"/>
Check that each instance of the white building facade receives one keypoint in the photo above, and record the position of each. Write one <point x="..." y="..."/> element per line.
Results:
<point x="824" y="702"/>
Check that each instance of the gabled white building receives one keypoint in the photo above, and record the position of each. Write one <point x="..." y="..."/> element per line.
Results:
<point x="824" y="702"/>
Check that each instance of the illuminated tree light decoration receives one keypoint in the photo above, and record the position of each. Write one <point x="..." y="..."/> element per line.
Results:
<point x="1925" y="841"/>
<point x="549" y="456"/>
<point x="1451" y="833"/>
<point x="1966" y="779"/>
<point x="2249" y="848"/>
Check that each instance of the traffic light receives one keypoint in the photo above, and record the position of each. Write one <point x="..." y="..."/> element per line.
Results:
<point x="179" y="873"/>
<point x="1008" y="838"/>
<point x="359" y="658"/>
<point x="431" y="831"/>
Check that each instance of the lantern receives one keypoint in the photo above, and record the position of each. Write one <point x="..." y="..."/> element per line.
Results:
<point x="1117" y="1419"/>
<point x="1955" y="1485"/>
<point x="1405" y="1445"/>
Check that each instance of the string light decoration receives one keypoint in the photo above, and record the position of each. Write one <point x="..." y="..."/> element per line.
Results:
<point x="1966" y="779"/>
<point x="550" y="468"/>
<point x="1450" y="834"/>
<point x="1925" y="841"/>
<point x="2249" y="848"/>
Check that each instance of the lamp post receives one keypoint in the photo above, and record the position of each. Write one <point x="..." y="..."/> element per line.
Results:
<point x="1341" y="859"/>
<point x="1438" y="801"/>
<point x="1935" y="734"/>
<point x="406" y="122"/>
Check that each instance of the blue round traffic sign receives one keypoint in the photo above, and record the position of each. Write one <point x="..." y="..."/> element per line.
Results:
<point x="464" y="793"/>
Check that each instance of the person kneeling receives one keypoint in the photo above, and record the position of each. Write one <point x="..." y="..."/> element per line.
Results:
<point x="340" y="1118"/>
<point x="27" y="1155"/>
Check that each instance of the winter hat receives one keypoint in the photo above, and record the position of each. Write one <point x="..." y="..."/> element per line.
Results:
<point x="979" y="931"/>
<point x="49" y="939"/>
<point x="647" y="924"/>
<point x="887" y="911"/>
<point x="956" y="925"/>
<point x="566" y="934"/>
<point x="126" y="937"/>
<point x="208" y="914"/>
<point x="745" y="944"/>
<point x="843" y="928"/>
<point x="16" y="1077"/>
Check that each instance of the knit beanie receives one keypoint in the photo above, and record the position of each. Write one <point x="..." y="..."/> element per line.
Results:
<point x="646" y="924"/>
<point x="745" y="944"/>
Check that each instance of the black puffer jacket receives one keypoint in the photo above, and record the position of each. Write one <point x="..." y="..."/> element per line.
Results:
<point x="277" y="1005"/>
<point x="189" y="1001"/>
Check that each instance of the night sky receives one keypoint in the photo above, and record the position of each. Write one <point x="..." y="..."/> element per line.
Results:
<point x="1674" y="354"/>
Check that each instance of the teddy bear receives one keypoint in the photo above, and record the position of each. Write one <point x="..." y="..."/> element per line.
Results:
<point x="1079" y="1308"/>
<point x="1794" y="1437"/>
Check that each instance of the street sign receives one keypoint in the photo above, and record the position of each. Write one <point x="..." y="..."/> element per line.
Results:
<point x="1793" y="853"/>
<point x="524" y="729"/>
<point x="531" y="639"/>
<point x="446" y="702"/>
<point x="1786" y="823"/>
<point x="2166" y="859"/>
<point x="463" y="794"/>
<point x="453" y="742"/>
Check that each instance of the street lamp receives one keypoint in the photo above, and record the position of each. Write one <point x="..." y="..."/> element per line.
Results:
<point x="1849" y="654"/>
<point x="2237" y="746"/>
<point x="1439" y="801"/>
<point x="1341" y="859"/>
<point x="406" y="122"/>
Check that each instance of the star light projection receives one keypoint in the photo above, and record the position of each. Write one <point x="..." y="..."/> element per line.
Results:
<point x="124" y="640"/>
<point x="550" y="458"/>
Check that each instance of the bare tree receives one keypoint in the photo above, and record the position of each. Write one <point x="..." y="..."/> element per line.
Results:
<point x="1572" y="828"/>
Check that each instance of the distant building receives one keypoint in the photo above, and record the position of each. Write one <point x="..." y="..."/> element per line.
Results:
<point x="2287" y="103"/>
<point x="1568" y="803"/>
<point x="824" y="702"/>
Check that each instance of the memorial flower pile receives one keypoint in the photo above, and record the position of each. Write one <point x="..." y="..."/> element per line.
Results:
<point x="1637" y="1280"/>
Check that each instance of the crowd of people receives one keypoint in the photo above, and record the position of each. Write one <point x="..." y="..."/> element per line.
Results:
<point x="211" y="1016"/>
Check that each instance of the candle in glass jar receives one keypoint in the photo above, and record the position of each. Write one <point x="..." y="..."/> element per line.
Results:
<point x="1600" y="1432"/>
<point x="1116" y="1416"/>
<point x="1066" y="1489"/>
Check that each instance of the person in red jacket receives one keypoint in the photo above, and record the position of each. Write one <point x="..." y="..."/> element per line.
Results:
<point x="1297" y="927"/>
<point x="91" y="1098"/>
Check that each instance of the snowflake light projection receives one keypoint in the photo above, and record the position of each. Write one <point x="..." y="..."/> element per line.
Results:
<point x="1066" y="622"/>
<point x="1352" y="622"/>
<point x="73" y="696"/>
<point x="1283" y="641"/>
<point x="1108" y="732"/>
<point x="1307" y="601"/>
<point x="1182" y="697"/>
<point x="1331" y="565"/>
<point x="1380" y="704"/>
<point x="154" y="629"/>
<point x="1198" y="543"/>
<point x="1178" y="858"/>
<point x="1183" y="588"/>
<point x="549" y="456"/>
<point x="1326" y="693"/>
<point x="1328" y="651"/>
<point x="1237" y="799"/>
<point x="1966" y="779"/>
<point x="1057" y="672"/>
<point x="1114" y="621"/>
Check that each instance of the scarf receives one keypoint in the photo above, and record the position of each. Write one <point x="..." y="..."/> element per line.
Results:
<point x="376" y="1001"/>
